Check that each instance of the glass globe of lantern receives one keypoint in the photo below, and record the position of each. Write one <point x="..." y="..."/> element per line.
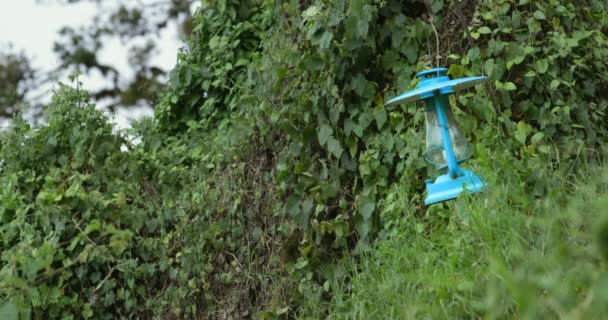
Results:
<point x="435" y="151"/>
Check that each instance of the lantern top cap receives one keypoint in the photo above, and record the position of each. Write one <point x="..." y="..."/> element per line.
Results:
<point x="437" y="72"/>
<point x="434" y="82"/>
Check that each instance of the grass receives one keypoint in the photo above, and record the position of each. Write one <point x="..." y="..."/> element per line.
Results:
<point x="500" y="254"/>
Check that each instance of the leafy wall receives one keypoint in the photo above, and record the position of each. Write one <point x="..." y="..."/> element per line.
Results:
<point x="271" y="156"/>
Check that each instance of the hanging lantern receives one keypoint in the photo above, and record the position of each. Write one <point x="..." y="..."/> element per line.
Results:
<point x="446" y="147"/>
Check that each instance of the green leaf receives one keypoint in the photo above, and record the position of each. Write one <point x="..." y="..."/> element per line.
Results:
<point x="313" y="62"/>
<point x="119" y="242"/>
<point x="324" y="133"/>
<point x="311" y="12"/>
<point x="505" y="86"/>
<point x="303" y="216"/>
<point x="515" y="54"/>
<point x="92" y="226"/>
<point x="326" y="38"/>
<point x="539" y="15"/>
<point x="362" y="28"/>
<point x="348" y="126"/>
<point x="334" y="147"/>
<point x="411" y="53"/>
<point x="363" y="226"/>
<point x="474" y="53"/>
<point x="257" y="233"/>
<point x="8" y="311"/>
<point x="359" y="84"/>
<point x="457" y="71"/>
<point x="509" y="86"/>
<point x="380" y="116"/>
<point x="537" y="137"/>
<point x="366" y="208"/>
<point x="521" y="137"/>
<point x="87" y="312"/>
<point x="489" y="66"/>
<point x="541" y="66"/>
<point x="484" y="30"/>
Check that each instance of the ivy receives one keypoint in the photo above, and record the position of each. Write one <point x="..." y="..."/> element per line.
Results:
<point x="271" y="154"/>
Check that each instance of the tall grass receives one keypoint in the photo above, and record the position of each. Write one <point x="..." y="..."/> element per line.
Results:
<point x="501" y="254"/>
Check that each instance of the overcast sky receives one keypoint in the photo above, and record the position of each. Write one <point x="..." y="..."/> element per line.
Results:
<point x="33" y="26"/>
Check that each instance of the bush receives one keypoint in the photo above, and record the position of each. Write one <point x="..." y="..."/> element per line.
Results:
<point x="493" y="255"/>
<point x="271" y="155"/>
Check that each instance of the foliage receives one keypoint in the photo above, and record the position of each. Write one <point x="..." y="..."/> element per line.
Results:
<point x="321" y="80"/>
<point x="136" y="26"/>
<point x="548" y="62"/>
<point x="16" y="76"/>
<point x="491" y="256"/>
<point x="90" y="230"/>
<point x="271" y="156"/>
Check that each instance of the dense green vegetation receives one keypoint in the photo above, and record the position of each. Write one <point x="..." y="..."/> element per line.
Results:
<point x="491" y="256"/>
<point x="272" y="182"/>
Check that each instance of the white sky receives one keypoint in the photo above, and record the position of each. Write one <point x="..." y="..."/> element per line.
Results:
<point x="33" y="27"/>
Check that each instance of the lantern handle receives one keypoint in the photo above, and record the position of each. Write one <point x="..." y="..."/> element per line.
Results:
<point x="453" y="168"/>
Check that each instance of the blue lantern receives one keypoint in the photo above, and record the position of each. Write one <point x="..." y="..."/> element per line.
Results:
<point x="446" y="147"/>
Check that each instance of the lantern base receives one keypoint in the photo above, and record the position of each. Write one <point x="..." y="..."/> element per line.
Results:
<point x="446" y="188"/>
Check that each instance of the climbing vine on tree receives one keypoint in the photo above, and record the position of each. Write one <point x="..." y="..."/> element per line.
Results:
<point x="271" y="155"/>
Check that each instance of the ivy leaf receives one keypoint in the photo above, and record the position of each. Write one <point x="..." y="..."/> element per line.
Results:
<point x="313" y="63"/>
<point x="457" y="71"/>
<point x="92" y="226"/>
<point x="324" y="133"/>
<point x="537" y="137"/>
<point x="362" y="28"/>
<point x="515" y="54"/>
<point x="334" y="147"/>
<point x="120" y="241"/>
<point x="359" y="84"/>
<point x="87" y="311"/>
<point x="521" y="137"/>
<point x="484" y="30"/>
<point x="541" y="66"/>
<point x="474" y="53"/>
<point x="348" y="126"/>
<point x="362" y="225"/>
<point x="419" y="228"/>
<point x="539" y="15"/>
<point x="380" y="116"/>
<point x="489" y="66"/>
<point x="505" y="86"/>
<point x="411" y="52"/>
<point x="510" y="86"/>
<point x="303" y="216"/>
<point x="326" y="39"/>
<point x="366" y="208"/>
<point x="311" y="12"/>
